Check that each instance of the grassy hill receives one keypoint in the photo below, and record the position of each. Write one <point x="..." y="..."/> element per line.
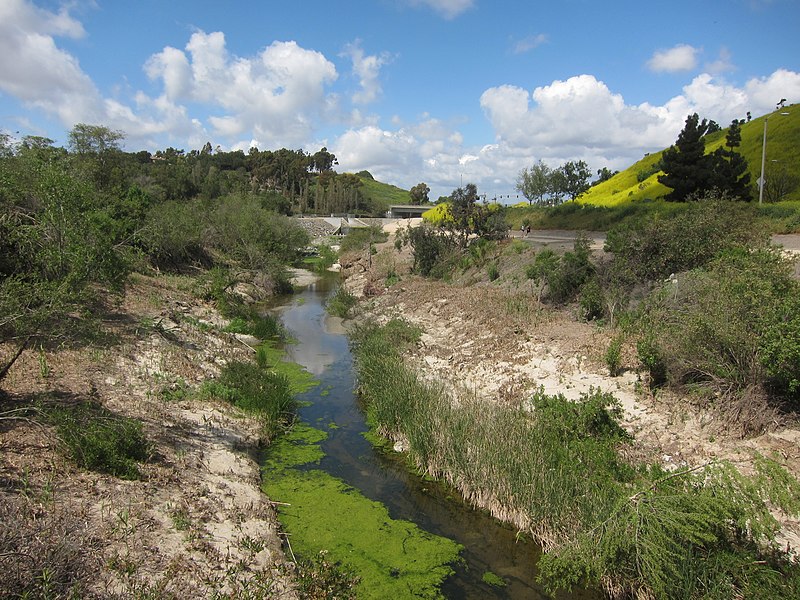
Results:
<point x="382" y="195"/>
<point x="640" y="180"/>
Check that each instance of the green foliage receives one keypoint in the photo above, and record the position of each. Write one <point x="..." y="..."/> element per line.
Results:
<point x="654" y="248"/>
<point x="256" y="390"/>
<point x="341" y="303"/>
<point x="362" y="238"/>
<point x="613" y="356"/>
<point x="779" y="348"/>
<point x="431" y="247"/>
<point x="493" y="272"/>
<point x="100" y="440"/>
<point x="730" y="326"/>
<point x="172" y="234"/>
<point x="592" y="302"/>
<point x="563" y="276"/>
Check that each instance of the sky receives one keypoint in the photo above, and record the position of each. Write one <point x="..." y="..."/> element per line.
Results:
<point x="445" y="92"/>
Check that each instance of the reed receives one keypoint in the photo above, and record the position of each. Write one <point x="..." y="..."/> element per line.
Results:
<point x="553" y="469"/>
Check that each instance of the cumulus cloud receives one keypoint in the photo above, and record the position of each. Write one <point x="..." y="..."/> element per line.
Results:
<point x="367" y="68"/>
<point x="449" y="9"/>
<point x="274" y="96"/>
<point x="680" y="58"/>
<point x="35" y="70"/>
<point x="579" y="118"/>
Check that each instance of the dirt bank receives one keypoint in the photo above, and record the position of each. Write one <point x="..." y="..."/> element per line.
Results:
<point x="196" y="524"/>
<point x="495" y="340"/>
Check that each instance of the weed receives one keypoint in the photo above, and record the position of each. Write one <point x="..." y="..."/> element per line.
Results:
<point x="100" y="440"/>
<point x="614" y="356"/>
<point x="341" y="303"/>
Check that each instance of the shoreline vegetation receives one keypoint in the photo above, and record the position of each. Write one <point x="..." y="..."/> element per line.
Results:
<point x="555" y="469"/>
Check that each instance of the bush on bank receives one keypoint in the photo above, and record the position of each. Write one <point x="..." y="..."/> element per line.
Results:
<point x="554" y="469"/>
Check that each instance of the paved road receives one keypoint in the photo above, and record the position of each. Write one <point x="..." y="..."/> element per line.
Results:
<point x="565" y="239"/>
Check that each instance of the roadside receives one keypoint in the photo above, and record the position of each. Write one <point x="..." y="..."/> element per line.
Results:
<point x="196" y="523"/>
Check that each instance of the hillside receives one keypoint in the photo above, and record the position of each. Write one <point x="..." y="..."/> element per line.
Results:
<point x="382" y="195"/>
<point x="640" y="181"/>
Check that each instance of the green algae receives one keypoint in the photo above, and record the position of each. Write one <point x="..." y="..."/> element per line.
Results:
<point x="493" y="579"/>
<point x="393" y="558"/>
<point x="300" y="380"/>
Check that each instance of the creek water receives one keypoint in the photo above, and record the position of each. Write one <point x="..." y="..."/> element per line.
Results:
<point x="384" y="476"/>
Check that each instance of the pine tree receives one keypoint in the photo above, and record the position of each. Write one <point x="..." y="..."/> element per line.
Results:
<point x="686" y="167"/>
<point x="730" y="167"/>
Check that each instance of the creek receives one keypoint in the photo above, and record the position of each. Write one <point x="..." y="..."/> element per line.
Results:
<point x="494" y="563"/>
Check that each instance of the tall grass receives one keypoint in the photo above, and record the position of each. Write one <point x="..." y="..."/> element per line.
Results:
<point x="554" y="469"/>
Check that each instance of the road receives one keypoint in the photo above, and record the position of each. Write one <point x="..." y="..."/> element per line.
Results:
<point x="559" y="239"/>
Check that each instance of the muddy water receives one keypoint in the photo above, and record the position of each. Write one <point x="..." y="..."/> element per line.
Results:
<point x="489" y="547"/>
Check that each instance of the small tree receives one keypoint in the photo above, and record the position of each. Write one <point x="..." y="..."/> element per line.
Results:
<point x="419" y="193"/>
<point x="574" y="179"/>
<point x="534" y="182"/>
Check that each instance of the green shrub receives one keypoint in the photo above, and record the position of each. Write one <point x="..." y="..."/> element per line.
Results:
<point x="256" y="390"/>
<point x="430" y="247"/>
<point x="614" y="356"/>
<point x="100" y="440"/>
<point x="592" y="301"/>
<point x="493" y="272"/>
<point x="563" y="275"/>
<point x="341" y="303"/>
<point x="728" y="327"/>
<point x="655" y="247"/>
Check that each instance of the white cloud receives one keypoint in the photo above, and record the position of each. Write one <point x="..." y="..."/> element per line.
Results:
<point x="275" y="96"/>
<point x="529" y="43"/>
<point x="35" y="70"/>
<point x="680" y="58"/>
<point x="367" y="68"/>
<point x="449" y="9"/>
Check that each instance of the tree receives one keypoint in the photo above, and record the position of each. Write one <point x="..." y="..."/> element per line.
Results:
<point x="534" y="182"/>
<point x="463" y="206"/>
<point x="779" y="182"/>
<point x="604" y="174"/>
<point x="686" y="168"/>
<point x="419" y="193"/>
<point x="730" y="173"/>
<point x="573" y="179"/>
<point x="323" y="161"/>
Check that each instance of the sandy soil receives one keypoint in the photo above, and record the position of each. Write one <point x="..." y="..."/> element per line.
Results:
<point x="196" y="524"/>
<point x="496" y="341"/>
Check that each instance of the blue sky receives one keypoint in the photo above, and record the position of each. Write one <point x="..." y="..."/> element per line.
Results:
<point x="440" y="91"/>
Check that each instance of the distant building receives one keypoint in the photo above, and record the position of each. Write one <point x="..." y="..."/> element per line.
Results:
<point x="406" y="211"/>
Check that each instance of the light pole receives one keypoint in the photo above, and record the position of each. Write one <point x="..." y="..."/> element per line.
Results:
<point x="761" y="180"/>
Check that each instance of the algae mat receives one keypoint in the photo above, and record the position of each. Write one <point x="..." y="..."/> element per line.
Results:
<point x="394" y="558"/>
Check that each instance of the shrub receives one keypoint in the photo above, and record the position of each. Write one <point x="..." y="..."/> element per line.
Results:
<point x="362" y="238"/>
<point x="654" y="248"/>
<point x="729" y="327"/>
<point x="592" y="301"/>
<point x="493" y="272"/>
<point x="341" y="303"/>
<point x="430" y="247"/>
<point x="256" y="390"/>
<point x="563" y="275"/>
<point x="614" y="356"/>
<point x="100" y="440"/>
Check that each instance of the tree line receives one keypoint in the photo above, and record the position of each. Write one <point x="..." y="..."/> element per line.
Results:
<point x="76" y="221"/>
